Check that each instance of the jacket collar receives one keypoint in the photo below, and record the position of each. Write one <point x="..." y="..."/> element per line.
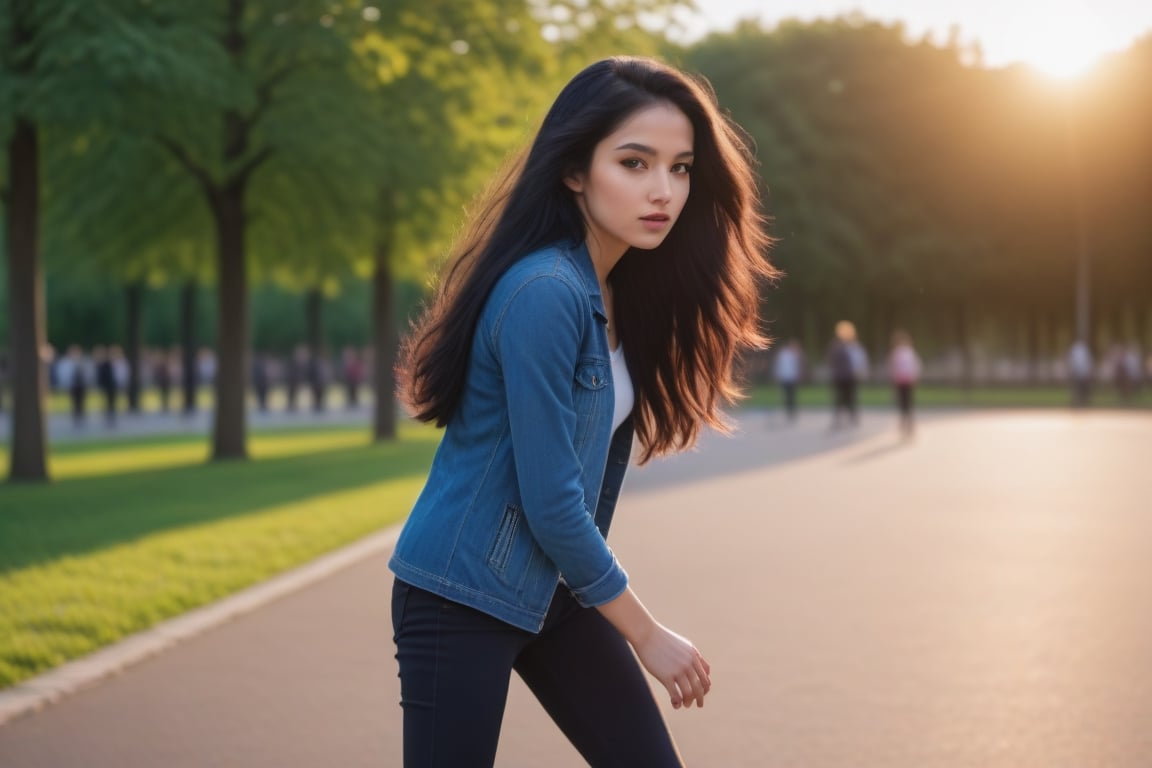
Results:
<point x="578" y="254"/>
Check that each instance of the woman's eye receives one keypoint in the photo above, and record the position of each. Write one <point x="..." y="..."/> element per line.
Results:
<point x="682" y="168"/>
<point x="633" y="162"/>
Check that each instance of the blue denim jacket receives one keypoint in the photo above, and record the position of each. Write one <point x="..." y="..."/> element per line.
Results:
<point x="528" y="454"/>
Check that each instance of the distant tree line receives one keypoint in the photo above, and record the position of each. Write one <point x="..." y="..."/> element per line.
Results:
<point x="241" y="172"/>
<point x="910" y="188"/>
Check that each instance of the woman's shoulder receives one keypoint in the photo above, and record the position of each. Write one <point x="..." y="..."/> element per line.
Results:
<point x="547" y="269"/>
<point x="544" y="284"/>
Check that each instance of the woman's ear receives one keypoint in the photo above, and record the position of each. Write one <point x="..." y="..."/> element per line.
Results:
<point x="574" y="181"/>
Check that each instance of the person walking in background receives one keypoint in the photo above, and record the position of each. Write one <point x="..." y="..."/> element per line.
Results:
<point x="295" y="374"/>
<point x="787" y="369"/>
<point x="352" y="373"/>
<point x="1081" y="369"/>
<point x="318" y="376"/>
<point x="1134" y="369"/>
<point x="75" y="375"/>
<point x="847" y="361"/>
<point x="106" y="381"/>
<point x="904" y="373"/>
<point x="1124" y="366"/>
<point x="206" y="367"/>
<point x="260" y="380"/>
<point x="120" y="369"/>
<point x="162" y="377"/>
<point x="603" y="291"/>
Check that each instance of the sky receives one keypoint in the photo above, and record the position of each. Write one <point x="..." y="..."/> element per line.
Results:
<point x="1061" y="37"/>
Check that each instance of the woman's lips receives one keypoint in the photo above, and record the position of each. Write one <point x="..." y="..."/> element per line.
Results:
<point x="655" y="221"/>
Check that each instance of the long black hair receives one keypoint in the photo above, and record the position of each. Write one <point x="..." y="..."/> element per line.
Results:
<point x="681" y="324"/>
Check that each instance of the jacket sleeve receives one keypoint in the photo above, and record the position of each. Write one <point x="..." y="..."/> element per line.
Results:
<point x="537" y="339"/>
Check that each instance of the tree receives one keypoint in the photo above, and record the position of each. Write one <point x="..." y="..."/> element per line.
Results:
<point x="63" y="64"/>
<point x="21" y="198"/>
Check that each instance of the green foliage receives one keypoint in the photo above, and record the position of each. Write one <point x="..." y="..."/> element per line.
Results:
<point x="907" y="186"/>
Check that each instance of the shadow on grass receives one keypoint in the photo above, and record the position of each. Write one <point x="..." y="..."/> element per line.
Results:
<point x="40" y="523"/>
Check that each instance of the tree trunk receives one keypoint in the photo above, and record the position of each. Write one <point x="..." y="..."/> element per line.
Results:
<point x="25" y="306"/>
<point x="230" y="428"/>
<point x="188" y="379"/>
<point x="133" y="298"/>
<point x="229" y="431"/>
<point x="384" y="337"/>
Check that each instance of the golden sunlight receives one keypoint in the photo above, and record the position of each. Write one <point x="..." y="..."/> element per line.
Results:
<point x="1064" y="41"/>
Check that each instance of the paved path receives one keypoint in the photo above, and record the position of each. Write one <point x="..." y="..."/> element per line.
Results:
<point x="977" y="597"/>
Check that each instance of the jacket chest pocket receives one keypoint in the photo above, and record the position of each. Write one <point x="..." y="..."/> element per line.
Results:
<point x="590" y="394"/>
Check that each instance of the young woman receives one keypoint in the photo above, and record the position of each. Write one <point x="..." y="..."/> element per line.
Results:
<point x="603" y="292"/>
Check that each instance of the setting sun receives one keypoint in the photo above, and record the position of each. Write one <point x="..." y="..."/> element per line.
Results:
<point x="1064" y="41"/>
<point x="1060" y="38"/>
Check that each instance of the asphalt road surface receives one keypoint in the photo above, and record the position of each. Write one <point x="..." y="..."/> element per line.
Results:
<point x="978" y="597"/>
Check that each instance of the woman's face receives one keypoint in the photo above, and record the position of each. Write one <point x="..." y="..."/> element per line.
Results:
<point x="637" y="182"/>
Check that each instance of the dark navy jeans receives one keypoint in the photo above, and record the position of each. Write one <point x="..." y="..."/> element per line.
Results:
<point x="456" y="664"/>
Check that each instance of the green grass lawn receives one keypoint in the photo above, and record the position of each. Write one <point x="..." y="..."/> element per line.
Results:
<point x="132" y="532"/>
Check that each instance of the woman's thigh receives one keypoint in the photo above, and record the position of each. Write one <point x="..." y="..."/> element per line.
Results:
<point x="455" y="664"/>
<point x="584" y="674"/>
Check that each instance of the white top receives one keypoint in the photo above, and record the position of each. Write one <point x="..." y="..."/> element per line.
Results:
<point x="904" y="365"/>
<point x="622" y="384"/>
<point x="787" y="367"/>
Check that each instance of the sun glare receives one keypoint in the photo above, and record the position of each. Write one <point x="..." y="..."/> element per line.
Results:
<point x="1064" y="42"/>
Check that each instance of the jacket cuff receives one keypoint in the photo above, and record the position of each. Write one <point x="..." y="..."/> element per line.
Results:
<point x="604" y="590"/>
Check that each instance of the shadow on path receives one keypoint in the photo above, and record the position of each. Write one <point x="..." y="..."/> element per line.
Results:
<point x="763" y="439"/>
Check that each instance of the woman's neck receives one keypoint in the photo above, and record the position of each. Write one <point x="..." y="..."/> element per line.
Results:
<point x="604" y="260"/>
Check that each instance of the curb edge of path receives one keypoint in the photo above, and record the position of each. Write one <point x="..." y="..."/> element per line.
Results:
<point x="36" y="693"/>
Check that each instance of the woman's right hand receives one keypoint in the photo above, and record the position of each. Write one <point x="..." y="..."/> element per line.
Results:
<point x="667" y="656"/>
<point x="676" y="663"/>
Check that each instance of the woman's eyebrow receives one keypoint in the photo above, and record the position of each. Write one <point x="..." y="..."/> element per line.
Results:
<point x="647" y="150"/>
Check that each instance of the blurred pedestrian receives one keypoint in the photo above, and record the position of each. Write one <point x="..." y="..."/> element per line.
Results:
<point x="206" y="366"/>
<point x="319" y="374"/>
<point x="106" y="381"/>
<point x="1081" y="370"/>
<point x="1134" y="366"/>
<point x="120" y="368"/>
<point x="1124" y="367"/>
<point x="787" y="369"/>
<point x="295" y="375"/>
<point x="847" y="363"/>
<point x="75" y="375"/>
<point x="352" y="372"/>
<point x="261" y="380"/>
<point x="162" y="377"/>
<point x="904" y="373"/>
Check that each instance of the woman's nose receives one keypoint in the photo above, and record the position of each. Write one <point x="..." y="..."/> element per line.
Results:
<point x="662" y="189"/>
